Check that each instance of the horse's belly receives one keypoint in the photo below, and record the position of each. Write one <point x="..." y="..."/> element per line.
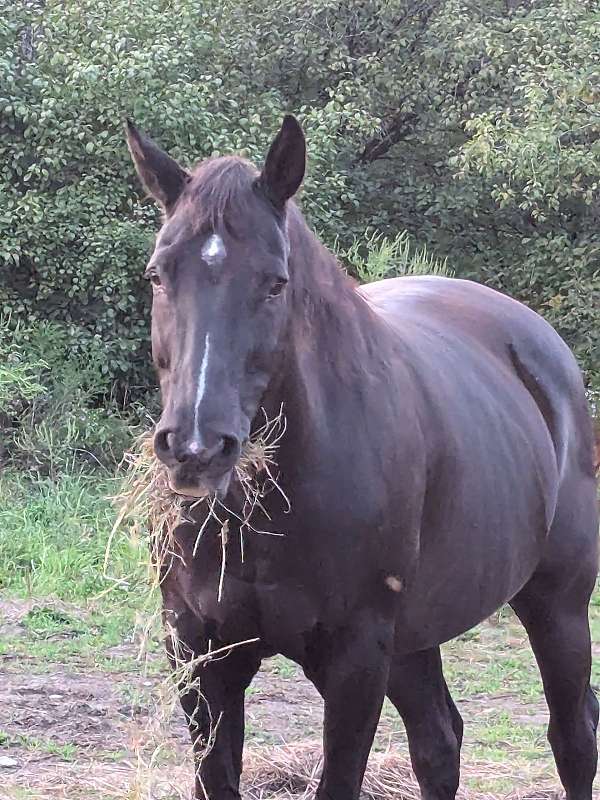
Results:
<point x="489" y="505"/>
<point x="429" y="617"/>
<point x="473" y="564"/>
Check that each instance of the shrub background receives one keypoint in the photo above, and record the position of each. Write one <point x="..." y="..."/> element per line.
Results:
<point x="476" y="130"/>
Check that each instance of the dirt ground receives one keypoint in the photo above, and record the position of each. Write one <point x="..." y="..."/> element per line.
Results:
<point x="68" y="731"/>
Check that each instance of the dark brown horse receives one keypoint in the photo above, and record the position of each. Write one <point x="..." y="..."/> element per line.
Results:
<point x="438" y="460"/>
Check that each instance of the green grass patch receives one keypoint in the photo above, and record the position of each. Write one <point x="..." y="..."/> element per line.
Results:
<point x="282" y="667"/>
<point x="53" y="538"/>
<point x="45" y="623"/>
<point x="53" y="542"/>
<point x="501" y="731"/>
<point x="66" y="752"/>
<point x="87" y="641"/>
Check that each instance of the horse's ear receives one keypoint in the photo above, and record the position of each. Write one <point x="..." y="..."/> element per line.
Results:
<point x="285" y="163"/>
<point x="161" y="175"/>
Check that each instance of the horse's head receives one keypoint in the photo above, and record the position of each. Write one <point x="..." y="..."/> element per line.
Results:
<point x="219" y="272"/>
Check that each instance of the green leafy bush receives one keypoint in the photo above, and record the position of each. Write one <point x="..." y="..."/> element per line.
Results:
<point x="54" y="414"/>
<point x="474" y="127"/>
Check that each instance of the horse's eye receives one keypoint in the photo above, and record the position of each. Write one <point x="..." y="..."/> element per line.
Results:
<point x="277" y="288"/>
<point x="153" y="277"/>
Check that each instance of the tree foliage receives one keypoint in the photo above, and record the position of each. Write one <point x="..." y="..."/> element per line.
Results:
<point x="474" y="127"/>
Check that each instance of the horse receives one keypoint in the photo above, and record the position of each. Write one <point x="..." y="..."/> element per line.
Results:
<point x="437" y="459"/>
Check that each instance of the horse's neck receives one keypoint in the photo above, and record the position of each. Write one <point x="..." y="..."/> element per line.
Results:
<point x="333" y="335"/>
<point x="322" y="294"/>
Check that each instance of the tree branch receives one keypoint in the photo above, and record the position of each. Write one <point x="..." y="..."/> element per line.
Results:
<point x="400" y="126"/>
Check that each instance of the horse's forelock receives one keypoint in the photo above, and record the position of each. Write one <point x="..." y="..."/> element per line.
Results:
<point x="219" y="191"/>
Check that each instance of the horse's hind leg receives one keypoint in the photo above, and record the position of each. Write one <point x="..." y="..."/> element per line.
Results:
<point x="433" y="725"/>
<point x="560" y="639"/>
<point x="553" y="607"/>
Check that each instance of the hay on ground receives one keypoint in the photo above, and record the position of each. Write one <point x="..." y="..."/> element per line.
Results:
<point x="289" y="772"/>
<point x="292" y="772"/>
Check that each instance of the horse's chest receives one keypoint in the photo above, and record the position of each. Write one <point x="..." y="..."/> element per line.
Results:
<point x="331" y="558"/>
<point x="278" y="592"/>
<point x="278" y="615"/>
<point x="235" y="601"/>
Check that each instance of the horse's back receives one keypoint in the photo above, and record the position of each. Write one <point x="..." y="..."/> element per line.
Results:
<point x="515" y="338"/>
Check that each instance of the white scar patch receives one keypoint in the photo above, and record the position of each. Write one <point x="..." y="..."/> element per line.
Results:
<point x="213" y="250"/>
<point x="195" y="445"/>
<point x="395" y="583"/>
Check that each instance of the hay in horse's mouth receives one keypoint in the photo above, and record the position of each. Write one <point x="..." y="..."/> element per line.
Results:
<point x="194" y="487"/>
<point x="148" y="501"/>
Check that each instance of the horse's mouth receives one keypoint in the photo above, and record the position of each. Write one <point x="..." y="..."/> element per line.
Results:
<point x="201" y="486"/>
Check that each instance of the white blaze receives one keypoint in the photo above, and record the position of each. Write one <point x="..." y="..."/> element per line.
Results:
<point x="213" y="250"/>
<point x="195" y="445"/>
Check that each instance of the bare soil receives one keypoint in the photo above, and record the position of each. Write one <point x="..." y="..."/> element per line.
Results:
<point x="69" y="732"/>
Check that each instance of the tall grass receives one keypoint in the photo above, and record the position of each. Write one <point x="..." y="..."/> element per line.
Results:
<point x="375" y="257"/>
<point x="53" y="537"/>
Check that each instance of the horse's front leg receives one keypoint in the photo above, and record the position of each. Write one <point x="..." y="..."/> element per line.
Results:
<point x="352" y="679"/>
<point x="212" y="698"/>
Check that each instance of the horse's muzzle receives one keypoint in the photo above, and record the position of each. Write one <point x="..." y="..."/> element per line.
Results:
<point x="198" y="486"/>
<point x="199" y="463"/>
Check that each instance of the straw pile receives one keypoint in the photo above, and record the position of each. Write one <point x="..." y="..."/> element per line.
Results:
<point x="292" y="772"/>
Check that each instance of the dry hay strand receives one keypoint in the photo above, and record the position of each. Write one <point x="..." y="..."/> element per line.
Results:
<point x="149" y="509"/>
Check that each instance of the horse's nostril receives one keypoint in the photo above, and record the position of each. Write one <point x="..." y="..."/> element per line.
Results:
<point x="229" y="446"/>
<point x="172" y="450"/>
<point x="161" y="442"/>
